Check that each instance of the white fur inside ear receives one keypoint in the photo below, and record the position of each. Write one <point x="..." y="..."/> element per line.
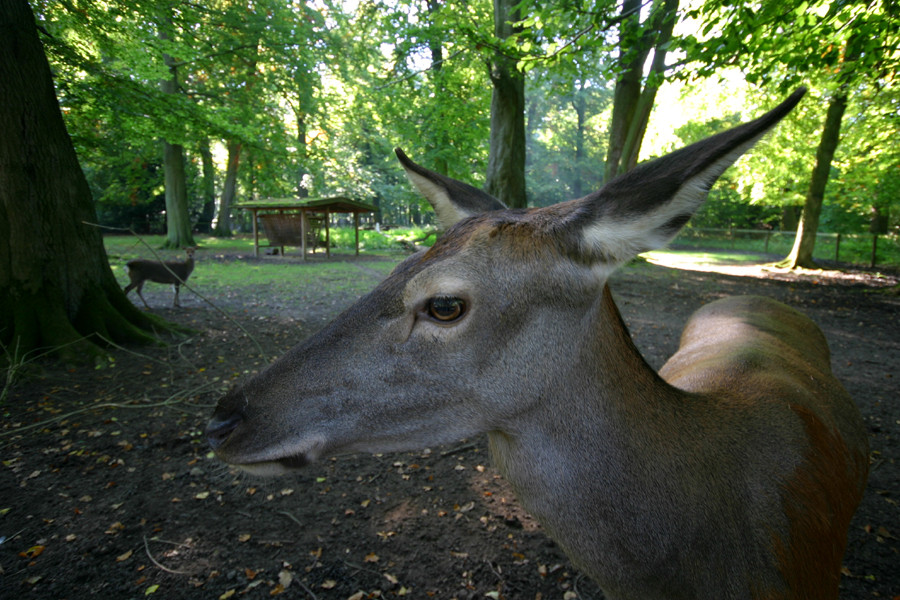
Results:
<point x="617" y="238"/>
<point x="447" y="212"/>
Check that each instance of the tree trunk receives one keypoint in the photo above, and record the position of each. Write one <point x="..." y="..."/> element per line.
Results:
<point x="661" y="26"/>
<point x="633" y="101"/>
<point x="223" y="222"/>
<point x="506" y="159"/>
<point x="204" y="223"/>
<point x="441" y="142"/>
<point x="801" y="255"/>
<point x="56" y="288"/>
<point x="303" y="156"/>
<point x="178" y="220"/>
<point x="579" y="104"/>
<point x="790" y="217"/>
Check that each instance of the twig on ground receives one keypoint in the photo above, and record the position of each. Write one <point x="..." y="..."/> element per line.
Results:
<point x="157" y="563"/>
<point x="291" y="517"/>
<point x="459" y="449"/>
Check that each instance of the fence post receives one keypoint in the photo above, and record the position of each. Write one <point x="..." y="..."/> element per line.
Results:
<point x="768" y="233"/>
<point x="874" y="249"/>
<point x="837" y="249"/>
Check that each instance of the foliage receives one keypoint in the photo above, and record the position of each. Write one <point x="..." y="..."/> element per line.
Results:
<point x="319" y="96"/>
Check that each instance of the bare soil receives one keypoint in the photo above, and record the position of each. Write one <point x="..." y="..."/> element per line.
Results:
<point x="108" y="488"/>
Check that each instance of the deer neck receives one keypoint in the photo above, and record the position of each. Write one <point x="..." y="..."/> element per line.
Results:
<point x="581" y="436"/>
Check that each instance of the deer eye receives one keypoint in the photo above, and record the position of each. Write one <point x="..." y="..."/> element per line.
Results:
<point x="445" y="308"/>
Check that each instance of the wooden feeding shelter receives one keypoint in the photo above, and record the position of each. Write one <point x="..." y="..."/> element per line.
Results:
<point x="287" y="222"/>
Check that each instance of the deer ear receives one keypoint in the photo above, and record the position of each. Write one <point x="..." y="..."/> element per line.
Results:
<point x="645" y="208"/>
<point x="452" y="200"/>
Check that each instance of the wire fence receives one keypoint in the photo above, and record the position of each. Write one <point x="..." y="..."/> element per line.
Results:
<point x="855" y="248"/>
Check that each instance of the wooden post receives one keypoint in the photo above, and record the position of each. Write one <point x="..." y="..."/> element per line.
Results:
<point x="327" y="235"/>
<point x="768" y="233"/>
<point x="281" y="212"/>
<point x="304" y="226"/>
<point x="255" y="233"/>
<point x="356" y="230"/>
<point x="837" y="249"/>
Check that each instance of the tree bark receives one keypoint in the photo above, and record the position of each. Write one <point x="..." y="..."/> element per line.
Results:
<point x="579" y="105"/>
<point x="229" y="191"/>
<point x="56" y="288"/>
<point x="506" y="159"/>
<point x="632" y="100"/>
<point x="801" y="255"/>
<point x="178" y="220"/>
<point x="204" y="223"/>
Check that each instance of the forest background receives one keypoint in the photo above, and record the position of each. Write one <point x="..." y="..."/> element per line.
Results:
<point x="220" y="101"/>
<point x="152" y="116"/>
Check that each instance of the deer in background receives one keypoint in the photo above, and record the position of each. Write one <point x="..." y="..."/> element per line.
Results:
<point x="175" y="272"/>
<point x="731" y="474"/>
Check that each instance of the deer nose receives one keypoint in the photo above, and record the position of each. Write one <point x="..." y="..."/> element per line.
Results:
<point x="218" y="430"/>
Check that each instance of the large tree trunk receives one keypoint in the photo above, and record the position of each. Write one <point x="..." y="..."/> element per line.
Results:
<point x="229" y="191"/>
<point x="801" y="255"/>
<point x="506" y="160"/>
<point x="56" y="288"/>
<point x="632" y="100"/>
<point x="178" y="220"/>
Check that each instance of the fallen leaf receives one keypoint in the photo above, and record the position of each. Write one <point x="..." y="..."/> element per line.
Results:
<point x="328" y="584"/>
<point x="285" y="578"/>
<point x="371" y="557"/>
<point x="151" y="590"/>
<point x="125" y="556"/>
<point x="244" y="537"/>
<point x="33" y="552"/>
<point x="227" y="595"/>
<point x="114" y="528"/>
<point x="357" y="596"/>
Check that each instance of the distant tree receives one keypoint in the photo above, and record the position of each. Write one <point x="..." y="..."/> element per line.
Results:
<point x="840" y="47"/>
<point x="506" y="162"/>
<point x="635" y="92"/>
<point x="56" y="287"/>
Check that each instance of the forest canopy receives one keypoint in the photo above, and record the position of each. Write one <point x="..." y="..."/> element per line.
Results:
<point x="290" y="99"/>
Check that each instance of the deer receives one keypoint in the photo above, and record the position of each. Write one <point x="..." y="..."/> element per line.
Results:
<point x="176" y="272"/>
<point x="732" y="473"/>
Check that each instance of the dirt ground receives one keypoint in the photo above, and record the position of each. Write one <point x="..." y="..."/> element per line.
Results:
<point x="108" y="488"/>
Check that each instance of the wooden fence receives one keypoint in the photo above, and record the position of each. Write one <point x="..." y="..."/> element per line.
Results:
<point x="859" y="248"/>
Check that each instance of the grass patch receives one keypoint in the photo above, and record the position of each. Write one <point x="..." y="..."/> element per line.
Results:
<point x="846" y="248"/>
<point x="709" y="257"/>
<point x="226" y="267"/>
